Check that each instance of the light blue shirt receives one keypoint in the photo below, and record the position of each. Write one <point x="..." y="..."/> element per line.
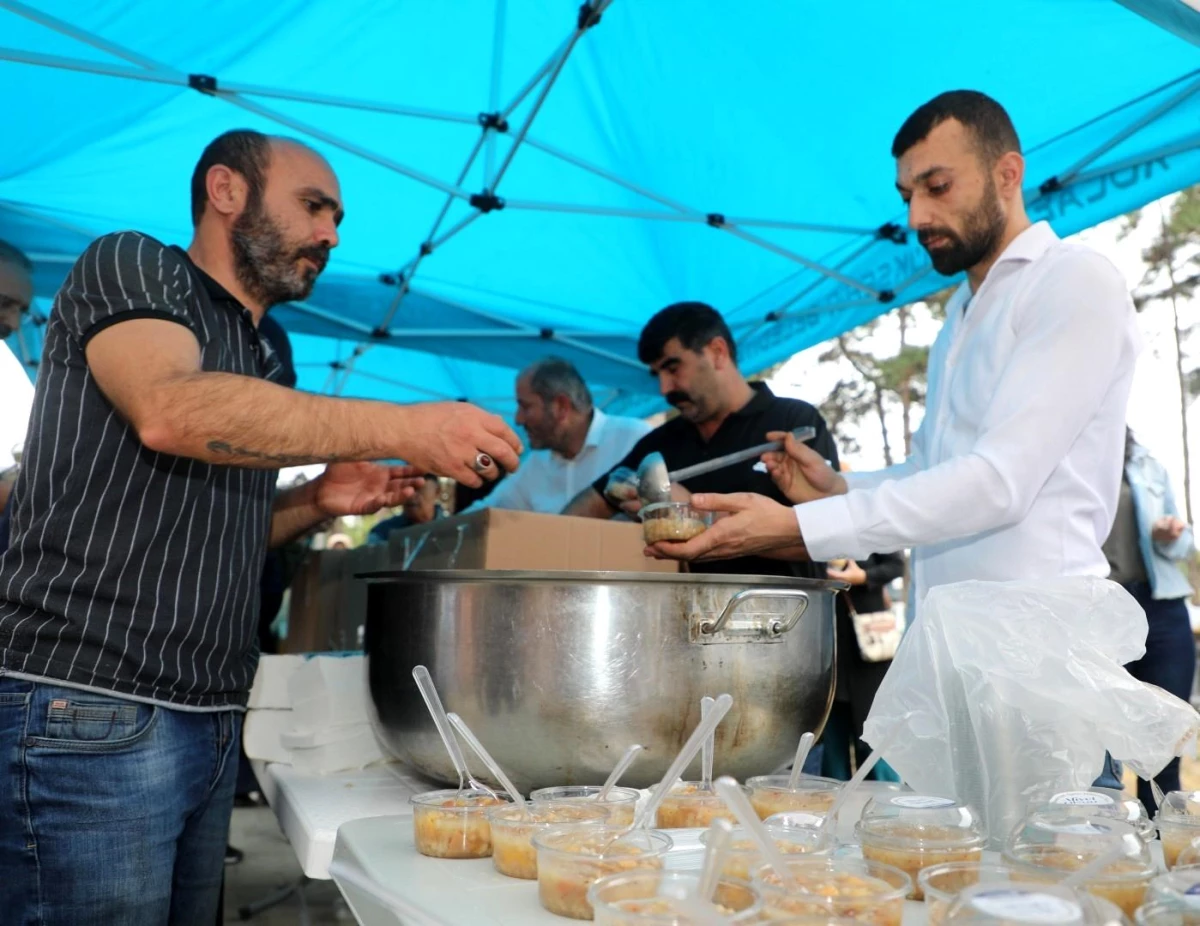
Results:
<point x="1153" y="499"/>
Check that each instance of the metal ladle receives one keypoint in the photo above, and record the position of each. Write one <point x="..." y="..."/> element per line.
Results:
<point x="425" y="683"/>
<point x="654" y="481"/>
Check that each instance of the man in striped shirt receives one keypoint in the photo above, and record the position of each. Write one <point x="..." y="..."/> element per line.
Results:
<point x="144" y="508"/>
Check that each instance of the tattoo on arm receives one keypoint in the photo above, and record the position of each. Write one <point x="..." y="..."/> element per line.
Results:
<point x="222" y="448"/>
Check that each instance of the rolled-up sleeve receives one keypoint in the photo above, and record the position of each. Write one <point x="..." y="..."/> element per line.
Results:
<point x="1070" y="344"/>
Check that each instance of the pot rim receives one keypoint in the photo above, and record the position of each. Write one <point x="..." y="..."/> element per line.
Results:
<point x="553" y="577"/>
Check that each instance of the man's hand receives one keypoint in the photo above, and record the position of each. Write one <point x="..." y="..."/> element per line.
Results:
<point x="1167" y="530"/>
<point x="800" y="472"/>
<point x="753" y="524"/>
<point x="852" y="574"/>
<point x="446" y="437"/>
<point x="364" y="488"/>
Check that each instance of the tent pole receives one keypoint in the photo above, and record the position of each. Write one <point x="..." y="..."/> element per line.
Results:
<point x="489" y="165"/>
<point x="80" y="35"/>
<point x="1133" y="128"/>
<point x="535" y="80"/>
<point x="598" y="351"/>
<point x="349" y="147"/>
<point x="696" y="217"/>
<point x="802" y="261"/>
<point x="599" y="6"/>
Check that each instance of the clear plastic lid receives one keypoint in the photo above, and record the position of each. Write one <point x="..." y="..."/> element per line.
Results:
<point x="1030" y="905"/>
<point x="1098" y="802"/>
<point x="1060" y="841"/>
<point x="920" y="818"/>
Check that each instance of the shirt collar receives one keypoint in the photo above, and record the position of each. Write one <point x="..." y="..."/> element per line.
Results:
<point x="759" y="402"/>
<point x="595" y="434"/>
<point x="1031" y="244"/>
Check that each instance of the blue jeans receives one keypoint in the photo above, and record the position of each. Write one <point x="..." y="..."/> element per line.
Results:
<point x="113" y="812"/>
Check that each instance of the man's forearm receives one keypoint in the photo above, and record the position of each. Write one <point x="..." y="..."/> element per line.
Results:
<point x="239" y="420"/>
<point x="294" y="514"/>
<point x="589" y="504"/>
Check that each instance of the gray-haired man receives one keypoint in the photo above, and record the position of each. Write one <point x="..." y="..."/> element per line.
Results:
<point x="574" y="443"/>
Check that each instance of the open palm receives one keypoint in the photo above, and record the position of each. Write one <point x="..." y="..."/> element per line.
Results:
<point x="364" y="488"/>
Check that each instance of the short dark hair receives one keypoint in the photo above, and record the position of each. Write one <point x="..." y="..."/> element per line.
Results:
<point x="11" y="254"/>
<point x="695" y="324"/>
<point x="983" y="117"/>
<point x="244" y="150"/>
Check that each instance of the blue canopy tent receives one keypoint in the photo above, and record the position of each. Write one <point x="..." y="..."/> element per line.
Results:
<point x="525" y="177"/>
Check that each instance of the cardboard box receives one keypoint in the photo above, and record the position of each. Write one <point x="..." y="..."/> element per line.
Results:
<point x="329" y="606"/>
<point x="497" y="539"/>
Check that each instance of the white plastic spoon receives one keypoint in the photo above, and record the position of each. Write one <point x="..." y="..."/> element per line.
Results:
<point x="486" y="757"/>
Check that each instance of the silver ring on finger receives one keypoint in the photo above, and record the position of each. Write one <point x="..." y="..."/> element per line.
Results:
<point x="483" y="463"/>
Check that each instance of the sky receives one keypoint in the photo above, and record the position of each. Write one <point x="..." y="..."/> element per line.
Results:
<point x="1153" y="407"/>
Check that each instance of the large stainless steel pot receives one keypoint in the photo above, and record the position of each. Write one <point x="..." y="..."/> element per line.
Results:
<point x="558" y="672"/>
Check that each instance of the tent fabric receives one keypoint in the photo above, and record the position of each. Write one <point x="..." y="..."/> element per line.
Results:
<point x="671" y="150"/>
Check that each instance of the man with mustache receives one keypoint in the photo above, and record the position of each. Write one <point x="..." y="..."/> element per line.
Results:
<point x="1015" y="470"/>
<point x="144" y="509"/>
<point x="690" y="350"/>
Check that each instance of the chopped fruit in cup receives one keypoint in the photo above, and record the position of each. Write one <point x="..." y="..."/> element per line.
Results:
<point x="690" y="805"/>
<point x="572" y="857"/>
<point x="453" y="824"/>
<point x="512" y="832"/>
<point x="770" y="794"/>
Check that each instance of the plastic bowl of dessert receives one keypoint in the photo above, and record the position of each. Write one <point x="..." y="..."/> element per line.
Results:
<point x="621" y="803"/>
<point x="914" y="831"/>
<point x="673" y="522"/>
<point x="1052" y="844"/>
<point x="772" y="794"/>
<point x="689" y="804"/>
<point x="513" y="853"/>
<point x="743" y="857"/>
<point x="857" y="889"/>
<point x="573" y="857"/>
<point x="454" y="824"/>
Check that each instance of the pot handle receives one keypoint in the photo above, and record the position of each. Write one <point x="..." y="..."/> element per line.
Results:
<point x="775" y="627"/>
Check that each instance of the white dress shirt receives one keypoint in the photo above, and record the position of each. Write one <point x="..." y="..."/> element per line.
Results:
<point x="1016" y="469"/>
<point x="548" y="481"/>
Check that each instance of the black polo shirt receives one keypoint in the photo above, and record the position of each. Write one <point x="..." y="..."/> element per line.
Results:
<point x="131" y="571"/>
<point x="681" y="445"/>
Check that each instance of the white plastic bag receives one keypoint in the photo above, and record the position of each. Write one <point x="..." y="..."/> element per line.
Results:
<point x="1007" y="688"/>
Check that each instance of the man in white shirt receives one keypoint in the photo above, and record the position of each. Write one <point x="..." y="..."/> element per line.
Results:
<point x="574" y="443"/>
<point x="1016" y="468"/>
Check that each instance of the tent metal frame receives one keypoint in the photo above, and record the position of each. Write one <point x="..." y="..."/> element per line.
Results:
<point x="494" y="124"/>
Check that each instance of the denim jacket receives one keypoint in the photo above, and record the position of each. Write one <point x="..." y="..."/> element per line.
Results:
<point x="1153" y="499"/>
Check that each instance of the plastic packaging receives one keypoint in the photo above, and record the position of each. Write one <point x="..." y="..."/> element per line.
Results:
<point x="1006" y="689"/>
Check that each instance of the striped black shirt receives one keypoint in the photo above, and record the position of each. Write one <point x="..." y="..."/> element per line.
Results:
<point x="133" y="571"/>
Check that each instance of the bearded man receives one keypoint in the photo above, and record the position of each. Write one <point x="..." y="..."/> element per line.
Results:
<point x="1015" y="471"/>
<point x="143" y="512"/>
